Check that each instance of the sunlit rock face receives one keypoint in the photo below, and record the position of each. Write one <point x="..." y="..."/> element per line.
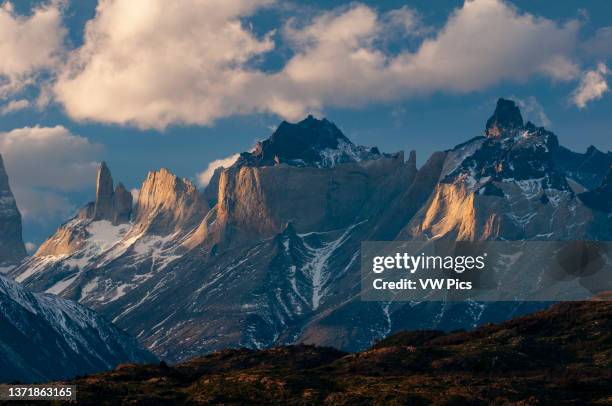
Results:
<point x="167" y="203"/>
<point x="12" y="249"/>
<point x="114" y="205"/>
<point x="261" y="200"/>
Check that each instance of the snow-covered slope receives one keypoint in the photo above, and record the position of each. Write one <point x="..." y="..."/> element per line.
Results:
<point x="44" y="337"/>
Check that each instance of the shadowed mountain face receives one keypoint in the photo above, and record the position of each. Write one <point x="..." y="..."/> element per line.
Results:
<point x="505" y="121"/>
<point x="600" y="199"/>
<point x="558" y="356"/>
<point x="275" y="260"/>
<point x="12" y="249"/>
<point x="44" y="337"/>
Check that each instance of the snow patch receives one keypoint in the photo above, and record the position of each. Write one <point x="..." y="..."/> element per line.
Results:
<point x="59" y="287"/>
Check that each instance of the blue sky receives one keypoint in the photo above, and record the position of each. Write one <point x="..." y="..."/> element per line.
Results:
<point x="153" y="86"/>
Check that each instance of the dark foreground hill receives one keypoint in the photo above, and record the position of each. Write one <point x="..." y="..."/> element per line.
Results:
<point x="562" y="355"/>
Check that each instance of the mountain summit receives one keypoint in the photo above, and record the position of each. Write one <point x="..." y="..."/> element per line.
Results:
<point x="311" y="142"/>
<point x="112" y="205"/>
<point x="505" y="121"/>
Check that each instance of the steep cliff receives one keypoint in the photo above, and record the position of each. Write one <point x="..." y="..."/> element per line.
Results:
<point x="12" y="249"/>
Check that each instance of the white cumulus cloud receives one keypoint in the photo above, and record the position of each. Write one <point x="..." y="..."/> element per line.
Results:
<point x="29" y="45"/>
<point x="152" y="63"/>
<point x="593" y="85"/>
<point x="155" y="62"/>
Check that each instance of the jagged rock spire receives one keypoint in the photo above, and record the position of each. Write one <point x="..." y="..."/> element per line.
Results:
<point x="104" y="194"/>
<point x="412" y="160"/>
<point x="122" y="205"/>
<point x="12" y="249"/>
<point x="505" y="121"/>
<point x="111" y="204"/>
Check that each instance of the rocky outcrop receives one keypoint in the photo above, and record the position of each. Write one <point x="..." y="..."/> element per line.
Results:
<point x="308" y="174"/>
<point x="114" y="205"/>
<point x="103" y="209"/>
<point x="259" y="201"/>
<point x="122" y="205"/>
<point x="506" y="121"/>
<point x="167" y="203"/>
<point x="12" y="249"/>
<point x="111" y="205"/>
<point x="586" y="169"/>
<point x="507" y="185"/>
<point x="44" y="337"/>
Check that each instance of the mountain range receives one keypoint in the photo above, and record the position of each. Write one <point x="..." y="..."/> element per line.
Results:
<point x="43" y="336"/>
<point x="268" y="253"/>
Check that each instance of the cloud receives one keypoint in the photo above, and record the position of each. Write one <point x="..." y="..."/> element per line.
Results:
<point x="593" y="85"/>
<point x="30" y="247"/>
<point x="14" y="105"/>
<point x="408" y="20"/>
<point x="532" y="110"/>
<point x="30" y="44"/>
<point x="195" y="61"/>
<point x="205" y="176"/>
<point x="338" y="63"/>
<point x="45" y="163"/>
<point x="135" y="192"/>
<point x="154" y="62"/>
<point x="42" y="206"/>
<point x="600" y="45"/>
